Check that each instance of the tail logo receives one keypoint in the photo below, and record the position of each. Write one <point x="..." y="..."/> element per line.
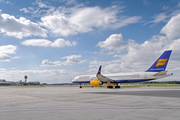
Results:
<point x="99" y="71"/>
<point x="161" y="62"/>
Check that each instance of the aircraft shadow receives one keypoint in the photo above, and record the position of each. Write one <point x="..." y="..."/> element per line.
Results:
<point x="162" y="93"/>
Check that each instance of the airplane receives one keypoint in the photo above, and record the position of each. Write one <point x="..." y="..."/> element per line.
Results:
<point x="156" y="71"/>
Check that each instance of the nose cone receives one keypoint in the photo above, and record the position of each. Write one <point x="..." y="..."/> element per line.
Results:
<point x="75" y="80"/>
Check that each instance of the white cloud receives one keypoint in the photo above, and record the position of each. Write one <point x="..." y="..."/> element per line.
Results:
<point x="65" y="21"/>
<point x="5" y="50"/>
<point x="172" y="28"/>
<point x="6" y="2"/>
<point x="38" y="9"/>
<point x="25" y="10"/>
<point x="52" y="64"/>
<point x="70" y="2"/>
<point x="124" y="21"/>
<point x="174" y="45"/>
<point x="116" y="68"/>
<point x="80" y="19"/>
<point x="72" y="59"/>
<point x="162" y="17"/>
<point x="113" y="42"/>
<point x="117" y="56"/>
<point x="93" y="16"/>
<point x="40" y="4"/>
<point x="16" y="57"/>
<point x="94" y="65"/>
<point x="5" y="57"/>
<point x="47" y="43"/>
<point x="20" y="28"/>
<point x="179" y="4"/>
<point x="60" y="25"/>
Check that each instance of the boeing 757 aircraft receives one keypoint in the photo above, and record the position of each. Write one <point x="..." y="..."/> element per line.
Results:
<point x="156" y="71"/>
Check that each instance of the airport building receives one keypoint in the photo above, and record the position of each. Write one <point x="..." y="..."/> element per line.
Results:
<point x="3" y="82"/>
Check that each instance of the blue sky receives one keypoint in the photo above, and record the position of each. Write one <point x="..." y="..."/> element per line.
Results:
<point x="54" y="41"/>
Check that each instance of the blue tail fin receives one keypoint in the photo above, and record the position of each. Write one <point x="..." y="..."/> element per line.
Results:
<point x="161" y="62"/>
<point x="98" y="73"/>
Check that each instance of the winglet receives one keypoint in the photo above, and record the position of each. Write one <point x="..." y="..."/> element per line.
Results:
<point x="98" y="73"/>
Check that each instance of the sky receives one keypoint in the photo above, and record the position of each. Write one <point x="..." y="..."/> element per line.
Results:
<point x="55" y="41"/>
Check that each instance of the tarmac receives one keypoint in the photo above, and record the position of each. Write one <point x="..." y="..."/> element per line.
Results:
<point x="73" y="103"/>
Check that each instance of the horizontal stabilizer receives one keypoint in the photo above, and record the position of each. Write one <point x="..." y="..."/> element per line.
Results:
<point x="160" y="73"/>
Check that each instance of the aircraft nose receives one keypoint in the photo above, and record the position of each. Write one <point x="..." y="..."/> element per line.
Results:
<point x="74" y="80"/>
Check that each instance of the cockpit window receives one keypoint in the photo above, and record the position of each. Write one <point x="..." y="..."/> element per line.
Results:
<point x="77" y="77"/>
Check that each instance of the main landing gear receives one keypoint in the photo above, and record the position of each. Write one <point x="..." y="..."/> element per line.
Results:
<point x="80" y="86"/>
<point x="117" y="86"/>
<point x="110" y="87"/>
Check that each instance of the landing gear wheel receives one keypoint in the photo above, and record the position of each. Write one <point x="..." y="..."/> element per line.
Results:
<point x="109" y="86"/>
<point x="117" y="86"/>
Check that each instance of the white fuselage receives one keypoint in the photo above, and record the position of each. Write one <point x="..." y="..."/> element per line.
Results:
<point x="123" y="77"/>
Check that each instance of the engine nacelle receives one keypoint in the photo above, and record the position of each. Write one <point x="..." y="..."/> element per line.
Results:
<point x="96" y="83"/>
<point x="110" y="84"/>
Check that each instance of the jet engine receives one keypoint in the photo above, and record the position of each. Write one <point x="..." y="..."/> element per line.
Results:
<point x="110" y="84"/>
<point x="96" y="83"/>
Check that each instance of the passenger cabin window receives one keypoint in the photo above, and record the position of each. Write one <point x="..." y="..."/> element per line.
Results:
<point x="136" y="76"/>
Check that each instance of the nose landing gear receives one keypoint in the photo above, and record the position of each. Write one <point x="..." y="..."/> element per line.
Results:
<point x="80" y="86"/>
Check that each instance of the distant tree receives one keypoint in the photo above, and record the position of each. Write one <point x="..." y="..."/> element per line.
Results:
<point x="161" y="82"/>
